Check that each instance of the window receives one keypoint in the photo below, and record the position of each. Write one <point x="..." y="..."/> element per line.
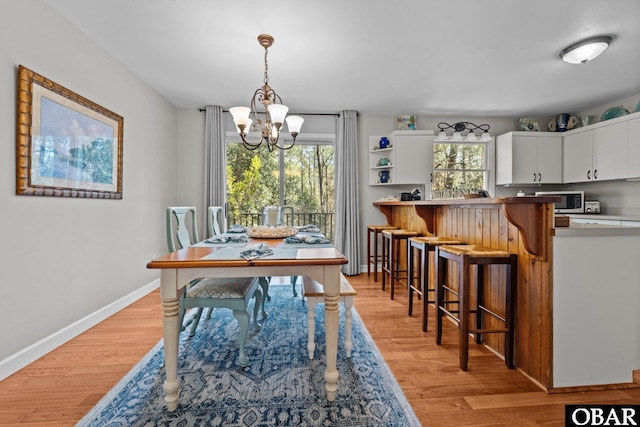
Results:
<point x="459" y="168"/>
<point x="301" y="177"/>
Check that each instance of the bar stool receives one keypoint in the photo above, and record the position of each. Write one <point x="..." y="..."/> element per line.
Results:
<point x="466" y="256"/>
<point x="420" y="272"/>
<point x="375" y="257"/>
<point x="391" y="256"/>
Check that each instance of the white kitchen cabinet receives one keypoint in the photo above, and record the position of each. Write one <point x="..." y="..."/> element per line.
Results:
<point x="577" y="158"/>
<point x="410" y="158"/>
<point x="528" y="158"/>
<point x="610" y="152"/>
<point x="633" y="148"/>
<point x="596" y="153"/>
<point x="596" y="321"/>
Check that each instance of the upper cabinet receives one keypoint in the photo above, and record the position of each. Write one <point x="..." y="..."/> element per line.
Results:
<point x="578" y="157"/>
<point x="603" y="151"/>
<point x="633" y="148"/>
<point x="408" y="159"/>
<point x="529" y="158"/>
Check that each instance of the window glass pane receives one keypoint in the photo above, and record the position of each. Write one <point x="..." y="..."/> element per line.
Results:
<point x="253" y="181"/>
<point x="459" y="169"/>
<point x="455" y="184"/>
<point x="458" y="156"/>
<point x="309" y="185"/>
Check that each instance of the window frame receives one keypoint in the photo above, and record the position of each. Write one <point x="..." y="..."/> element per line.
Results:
<point x="489" y="162"/>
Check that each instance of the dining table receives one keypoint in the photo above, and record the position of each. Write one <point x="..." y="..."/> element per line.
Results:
<point x="321" y="262"/>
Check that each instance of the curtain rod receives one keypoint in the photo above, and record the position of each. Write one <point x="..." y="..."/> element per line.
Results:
<point x="202" y="110"/>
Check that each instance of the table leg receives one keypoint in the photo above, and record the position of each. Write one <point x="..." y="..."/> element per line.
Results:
<point x="171" y="329"/>
<point x="331" y="301"/>
<point x="331" y="335"/>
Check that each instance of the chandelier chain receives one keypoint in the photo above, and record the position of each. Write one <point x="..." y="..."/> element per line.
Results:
<point x="266" y="67"/>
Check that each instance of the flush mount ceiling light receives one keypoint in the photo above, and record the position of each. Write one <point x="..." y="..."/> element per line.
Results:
<point x="458" y="130"/>
<point x="585" y="50"/>
<point x="270" y="123"/>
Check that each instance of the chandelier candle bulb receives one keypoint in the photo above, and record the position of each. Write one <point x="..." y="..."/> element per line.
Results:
<point x="277" y="113"/>
<point x="245" y="126"/>
<point x="294" y="123"/>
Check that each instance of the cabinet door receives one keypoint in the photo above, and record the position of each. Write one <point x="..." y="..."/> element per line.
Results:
<point x="525" y="159"/>
<point x="414" y="158"/>
<point x="633" y="148"/>
<point x="610" y="152"/>
<point x="549" y="159"/>
<point x="577" y="157"/>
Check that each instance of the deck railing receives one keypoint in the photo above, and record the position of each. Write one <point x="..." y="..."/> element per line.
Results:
<point x="324" y="220"/>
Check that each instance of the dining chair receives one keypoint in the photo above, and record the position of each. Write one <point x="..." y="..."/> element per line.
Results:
<point x="217" y="226"/>
<point x="275" y="216"/>
<point x="231" y="293"/>
<point x="215" y="220"/>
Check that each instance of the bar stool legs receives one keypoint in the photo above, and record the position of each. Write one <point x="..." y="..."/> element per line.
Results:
<point x="465" y="256"/>
<point x="391" y="256"/>
<point x="420" y="272"/>
<point x="373" y="257"/>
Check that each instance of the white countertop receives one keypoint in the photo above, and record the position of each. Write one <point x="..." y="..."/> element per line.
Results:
<point x="575" y="229"/>
<point x="606" y="216"/>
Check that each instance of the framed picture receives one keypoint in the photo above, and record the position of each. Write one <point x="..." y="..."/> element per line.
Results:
<point x="406" y="122"/>
<point x="67" y="146"/>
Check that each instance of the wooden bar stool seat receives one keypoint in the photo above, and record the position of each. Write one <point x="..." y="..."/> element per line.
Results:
<point x="419" y="272"/>
<point x="466" y="256"/>
<point x="392" y="257"/>
<point x="373" y="258"/>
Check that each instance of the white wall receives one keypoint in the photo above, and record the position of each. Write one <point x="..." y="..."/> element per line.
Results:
<point x="190" y="160"/>
<point x="63" y="259"/>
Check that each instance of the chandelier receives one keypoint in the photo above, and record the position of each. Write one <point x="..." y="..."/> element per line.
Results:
<point x="459" y="129"/>
<point x="269" y="124"/>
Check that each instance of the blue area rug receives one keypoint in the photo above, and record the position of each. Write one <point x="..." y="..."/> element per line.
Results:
<point x="280" y="387"/>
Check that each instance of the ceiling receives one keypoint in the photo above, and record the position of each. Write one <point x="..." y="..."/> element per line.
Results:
<point x="496" y="58"/>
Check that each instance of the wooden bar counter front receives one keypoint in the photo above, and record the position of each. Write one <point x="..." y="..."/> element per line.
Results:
<point x="520" y="225"/>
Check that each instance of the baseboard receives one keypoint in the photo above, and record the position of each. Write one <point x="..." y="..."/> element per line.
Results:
<point x="24" y="357"/>
<point x="363" y="268"/>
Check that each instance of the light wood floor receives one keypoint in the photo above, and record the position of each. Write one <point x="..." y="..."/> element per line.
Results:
<point x="61" y="387"/>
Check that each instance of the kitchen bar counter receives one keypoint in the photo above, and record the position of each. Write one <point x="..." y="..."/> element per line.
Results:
<point x="521" y="225"/>
<point x="529" y="214"/>
<point x="524" y="226"/>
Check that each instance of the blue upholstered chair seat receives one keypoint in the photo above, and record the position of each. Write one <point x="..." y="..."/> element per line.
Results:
<point x="226" y="288"/>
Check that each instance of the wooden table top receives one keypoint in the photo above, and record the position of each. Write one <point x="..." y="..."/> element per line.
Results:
<point x="195" y="257"/>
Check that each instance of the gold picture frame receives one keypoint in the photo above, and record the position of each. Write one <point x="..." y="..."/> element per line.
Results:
<point x="67" y="145"/>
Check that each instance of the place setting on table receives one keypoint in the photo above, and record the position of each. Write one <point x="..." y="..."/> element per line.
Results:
<point x="236" y="242"/>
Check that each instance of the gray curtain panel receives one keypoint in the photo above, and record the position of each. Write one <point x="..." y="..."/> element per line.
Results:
<point x="215" y="159"/>
<point x="347" y="197"/>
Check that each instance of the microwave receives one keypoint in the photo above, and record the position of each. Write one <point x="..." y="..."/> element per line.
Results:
<point x="571" y="201"/>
